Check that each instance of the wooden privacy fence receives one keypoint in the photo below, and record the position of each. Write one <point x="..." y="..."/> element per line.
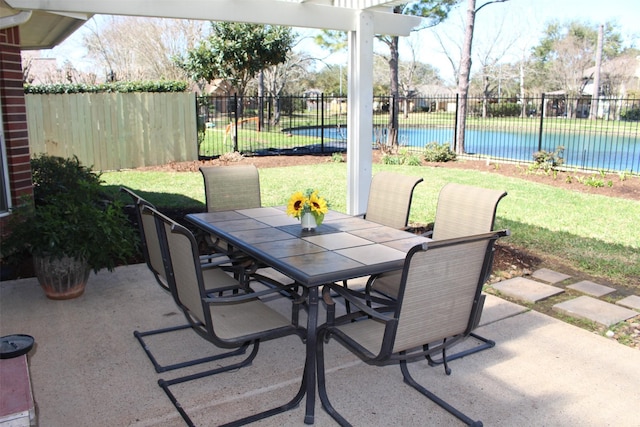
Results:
<point x="111" y="131"/>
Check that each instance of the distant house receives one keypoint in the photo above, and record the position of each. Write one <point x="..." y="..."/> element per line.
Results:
<point x="619" y="77"/>
<point x="432" y="98"/>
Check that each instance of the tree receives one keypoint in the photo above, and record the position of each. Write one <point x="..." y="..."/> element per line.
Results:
<point x="285" y="77"/>
<point x="130" y="48"/>
<point x="435" y="11"/>
<point x="236" y="52"/>
<point x="567" y="50"/>
<point x="465" y="72"/>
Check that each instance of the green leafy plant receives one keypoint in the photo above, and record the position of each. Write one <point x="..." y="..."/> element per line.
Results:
<point x="70" y="216"/>
<point x="547" y="160"/>
<point x="404" y="157"/>
<point x="389" y="159"/>
<point x="435" y="152"/>
<point x="337" y="158"/>
<point x="592" y="181"/>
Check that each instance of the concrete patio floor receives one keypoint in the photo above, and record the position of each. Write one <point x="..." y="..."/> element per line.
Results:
<point x="87" y="369"/>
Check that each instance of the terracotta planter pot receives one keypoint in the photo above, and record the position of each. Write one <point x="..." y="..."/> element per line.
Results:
<point x="61" y="278"/>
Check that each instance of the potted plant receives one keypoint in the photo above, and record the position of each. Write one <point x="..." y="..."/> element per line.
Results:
<point x="69" y="227"/>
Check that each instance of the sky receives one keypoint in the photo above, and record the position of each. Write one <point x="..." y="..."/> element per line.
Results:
<point x="515" y="23"/>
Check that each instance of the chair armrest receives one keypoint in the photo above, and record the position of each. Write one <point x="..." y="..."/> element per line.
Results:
<point x="357" y="299"/>
<point x="210" y="299"/>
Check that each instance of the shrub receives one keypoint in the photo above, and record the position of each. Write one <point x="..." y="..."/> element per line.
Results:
<point x="547" y="160"/>
<point x="435" y="152"/>
<point x="70" y="216"/>
<point x="402" y="158"/>
<point x="505" y="109"/>
<point x="123" y="87"/>
<point x="630" y="114"/>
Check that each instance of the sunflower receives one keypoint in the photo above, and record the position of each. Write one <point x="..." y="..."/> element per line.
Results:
<point x="303" y="202"/>
<point x="317" y="204"/>
<point x="297" y="204"/>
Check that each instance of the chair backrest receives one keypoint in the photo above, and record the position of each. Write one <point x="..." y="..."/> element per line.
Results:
<point x="231" y="187"/>
<point x="465" y="210"/>
<point x="149" y="238"/>
<point x="440" y="289"/>
<point x="182" y="265"/>
<point x="390" y="197"/>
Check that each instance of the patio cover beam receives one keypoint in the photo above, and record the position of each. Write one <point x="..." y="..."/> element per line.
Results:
<point x="274" y="12"/>
<point x="362" y="19"/>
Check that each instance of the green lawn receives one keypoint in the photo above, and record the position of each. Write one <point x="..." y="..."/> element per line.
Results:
<point x="598" y="235"/>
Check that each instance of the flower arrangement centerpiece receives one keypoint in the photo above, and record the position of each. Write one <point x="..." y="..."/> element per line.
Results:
<point x="309" y="207"/>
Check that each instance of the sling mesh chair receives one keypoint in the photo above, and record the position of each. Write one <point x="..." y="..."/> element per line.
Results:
<point x="437" y="302"/>
<point x="230" y="188"/>
<point x="389" y="201"/>
<point x="150" y="243"/>
<point x="462" y="210"/>
<point x="225" y="321"/>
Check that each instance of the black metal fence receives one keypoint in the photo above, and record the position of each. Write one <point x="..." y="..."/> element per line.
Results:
<point x="503" y="129"/>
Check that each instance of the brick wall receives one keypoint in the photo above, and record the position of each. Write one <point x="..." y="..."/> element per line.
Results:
<point x="14" y="116"/>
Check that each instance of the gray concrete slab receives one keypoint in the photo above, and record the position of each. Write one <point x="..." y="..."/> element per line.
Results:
<point x="526" y="290"/>
<point x="588" y="308"/>
<point x="549" y="276"/>
<point x="632" y="301"/>
<point x="591" y="288"/>
<point x="497" y="309"/>
<point x="87" y="369"/>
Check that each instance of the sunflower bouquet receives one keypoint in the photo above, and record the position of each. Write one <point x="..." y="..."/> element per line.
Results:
<point x="308" y="201"/>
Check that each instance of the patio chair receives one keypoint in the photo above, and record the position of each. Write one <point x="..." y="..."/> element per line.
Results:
<point x="437" y="302"/>
<point x="389" y="202"/>
<point x="226" y="321"/>
<point x="462" y="210"/>
<point x="229" y="188"/>
<point x="150" y="243"/>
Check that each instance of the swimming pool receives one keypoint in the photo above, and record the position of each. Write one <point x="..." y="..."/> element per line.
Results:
<point x="587" y="151"/>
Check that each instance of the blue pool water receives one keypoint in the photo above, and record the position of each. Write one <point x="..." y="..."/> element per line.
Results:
<point x="591" y="151"/>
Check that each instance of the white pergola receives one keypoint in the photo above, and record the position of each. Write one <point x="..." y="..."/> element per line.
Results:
<point x="361" y="19"/>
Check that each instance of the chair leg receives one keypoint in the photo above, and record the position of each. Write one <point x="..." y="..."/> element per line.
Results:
<point x="165" y="384"/>
<point x="487" y="344"/>
<point x="293" y="403"/>
<point x="164" y="368"/>
<point x="322" y="387"/>
<point x="347" y="304"/>
<point x="412" y="382"/>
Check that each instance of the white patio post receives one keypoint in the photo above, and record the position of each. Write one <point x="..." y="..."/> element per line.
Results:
<point x="360" y="113"/>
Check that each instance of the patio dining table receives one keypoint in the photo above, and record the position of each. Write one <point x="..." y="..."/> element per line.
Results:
<point x="343" y="247"/>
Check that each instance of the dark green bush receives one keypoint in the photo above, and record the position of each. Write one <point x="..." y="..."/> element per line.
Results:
<point x="70" y="216"/>
<point x="505" y="109"/>
<point x="122" y="87"/>
<point x="630" y="114"/>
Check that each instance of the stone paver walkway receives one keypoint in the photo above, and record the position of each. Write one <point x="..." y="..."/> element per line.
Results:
<point x="587" y="306"/>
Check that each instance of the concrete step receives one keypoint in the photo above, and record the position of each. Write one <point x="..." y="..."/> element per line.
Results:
<point x="526" y="290"/>
<point x="589" y="308"/>
<point x="591" y="288"/>
<point x="632" y="301"/>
